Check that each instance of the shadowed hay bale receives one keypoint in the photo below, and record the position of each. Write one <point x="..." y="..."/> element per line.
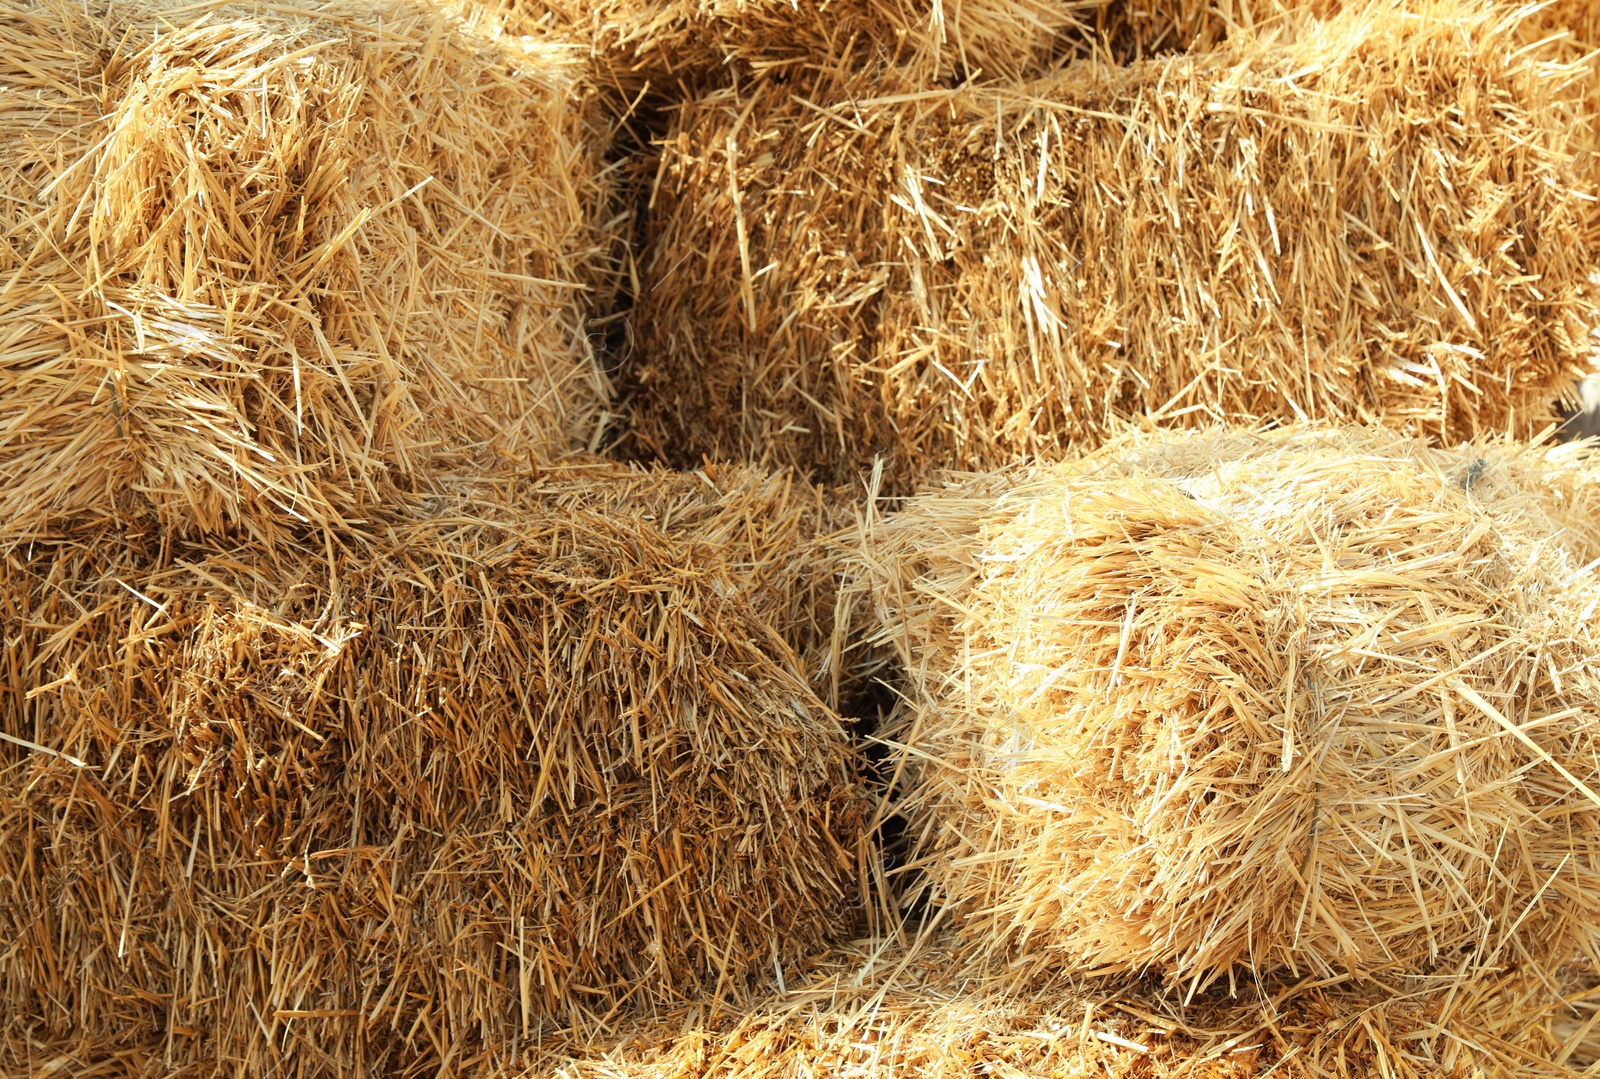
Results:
<point x="268" y="263"/>
<point x="872" y="1010"/>
<point x="1318" y="701"/>
<point x="1375" y="220"/>
<point x="395" y="811"/>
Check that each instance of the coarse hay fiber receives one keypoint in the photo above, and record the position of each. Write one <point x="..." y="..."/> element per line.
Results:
<point x="1574" y="26"/>
<point x="671" y="44"/>
<point x="878" y="1007"/>
<point x="783" y="540"/>
<point x="1375" y="219"/>
<point x="1133" y="29"/>
<point x="1311" y="702"/>
<point x="268" y="264"/>
<point x="404" y="804"/>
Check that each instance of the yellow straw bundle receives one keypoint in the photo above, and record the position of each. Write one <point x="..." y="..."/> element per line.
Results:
<point x="1374" y="219"/>
<point x="666" y="44"/>
<point x="400" y="805"/>
<point x="1315" y="701"/>
<point x="264" y="265"/>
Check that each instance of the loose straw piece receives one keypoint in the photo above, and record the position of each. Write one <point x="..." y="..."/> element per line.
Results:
<point x="37" y="748"/>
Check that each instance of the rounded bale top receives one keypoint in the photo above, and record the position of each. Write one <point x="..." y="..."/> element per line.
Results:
<point x="1311" y="700"/>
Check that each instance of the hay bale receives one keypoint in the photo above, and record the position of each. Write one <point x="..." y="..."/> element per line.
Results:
<point x="265" y="265"/>
<point x="877" y="1009"/>
<point x="403" y="805"/>
<point x="1373" y="220"/>
<point x="1315" y="701"/>
<point x="669" y="43"/>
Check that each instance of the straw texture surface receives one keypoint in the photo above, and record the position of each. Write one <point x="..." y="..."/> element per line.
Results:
<point x="1577" y="22"/>
<point x="1319" y="702"/>
<point x="264" y="264"/>
<point x="1133" y="29"/>
<point x="1374" y="219"/>
<point x="398" y="806"/>
<point x="675" y="43"/>
<point x="783" y="540"/>
<point x="877" y="1008"/>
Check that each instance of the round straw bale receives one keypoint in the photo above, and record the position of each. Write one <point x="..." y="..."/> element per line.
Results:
<point x="1375" y="219"/>
<point x="407" y="801"/>
<point x="266" y="264"/>
<point x="1316" y="701"/>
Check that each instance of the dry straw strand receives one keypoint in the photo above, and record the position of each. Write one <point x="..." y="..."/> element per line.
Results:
<point x="783" y="539"/>
<point x="669" y="44"/>
<point x="1573" y="27"/>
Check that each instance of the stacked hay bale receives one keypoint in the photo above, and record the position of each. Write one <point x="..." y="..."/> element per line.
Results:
<point x="1318" y="702"/>
<point x="270" y="266"/>
<point x="899" y="1012"/>
<point x="667" y="44"/>
<point x="1375" y="219"/>
<point x="401" y="804"/>
<point x="674" y="43"/>
<point x="351" y="720"/>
